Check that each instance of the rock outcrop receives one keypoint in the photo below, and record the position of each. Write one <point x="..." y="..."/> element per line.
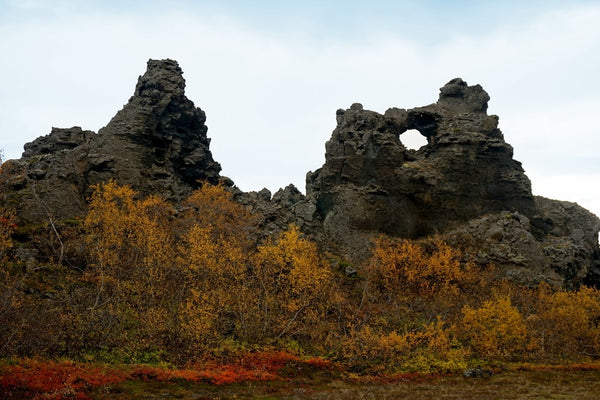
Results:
<point x="524" y="254"/>
<point x="371" y="183"/>
<point x="157" y="144"/>
<point x="277" y="210"/>
<point x="463" y="184"/>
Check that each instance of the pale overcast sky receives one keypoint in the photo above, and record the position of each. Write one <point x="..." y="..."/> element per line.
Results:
<point x="271" y="74"/>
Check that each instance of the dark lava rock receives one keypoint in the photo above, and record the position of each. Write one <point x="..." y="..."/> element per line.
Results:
<point x="464" y="184"/>
<point x="477" y="372"/>
<point x="157" y="144"/>
<point x="371" y="183"/>
<point x="58" y="139"/>
<point x="277" y="212"/>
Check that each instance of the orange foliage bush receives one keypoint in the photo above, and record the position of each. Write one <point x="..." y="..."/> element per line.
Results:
<point x="52" y="380"/>
<point x="496" y="330"/>
<point x="402" y="268"/>
<point x="294" y="286"/>
<point x="566" y="325"/>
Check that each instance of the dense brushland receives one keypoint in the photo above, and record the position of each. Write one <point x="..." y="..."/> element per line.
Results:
<point x="128" y="264"/>
<point x="198" y="287"/>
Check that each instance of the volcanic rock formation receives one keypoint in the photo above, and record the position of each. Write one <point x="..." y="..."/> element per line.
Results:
<point x="463" y="184"/>
<point x="157" y="144"/>
<point x="371" y="182"/>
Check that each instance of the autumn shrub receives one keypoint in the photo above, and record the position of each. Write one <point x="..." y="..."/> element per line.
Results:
<point x="400" y="268"/>
<point x="129" y="239"/>
<point x="11" y="286"/>
<point x="33" y="379"/>
<point x="162" y="280"/>
<point x="430" y="348"/>
<point x="218" y="302"/>
<point x="435" y="349"/>
<point x="496" y="330"/>
<point x="365" y="349"/>
<point x="412" y="301"/>
<point x="12" y="311"/>
<point x="409" y="284"/>
<point x="280" y="290"/>
<point x="214" y="208"/>
<point x="133" y="272"/>
<point x="566" y="324"/>
<point x="295" y="287"/>
<point x="217" y="240"/>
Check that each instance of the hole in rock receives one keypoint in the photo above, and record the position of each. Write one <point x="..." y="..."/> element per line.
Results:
<point x="413" y="139"/>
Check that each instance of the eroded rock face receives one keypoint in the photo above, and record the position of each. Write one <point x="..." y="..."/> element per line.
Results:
<point x="371" y="183"/>
<point x="509" y="241"/>
<point x="157" y="144"/>
<point x="276" y="211"/>
<point x="463" y="184"/>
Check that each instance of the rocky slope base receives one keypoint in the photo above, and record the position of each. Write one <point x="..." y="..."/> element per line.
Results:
<point x="463" y="185"/>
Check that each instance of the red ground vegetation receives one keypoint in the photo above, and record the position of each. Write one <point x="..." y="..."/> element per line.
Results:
<point x="68" y="380"/>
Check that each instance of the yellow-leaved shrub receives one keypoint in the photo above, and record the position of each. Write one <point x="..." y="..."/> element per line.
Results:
<point x="132" y="268"/>
<point x="294" y="286"/>
<point x="430" y="348"/>
<point x="401" y="268"/>
<point x="496" y="330"/>
<point x="215" y="259"/>
<point x="566" y="324"/>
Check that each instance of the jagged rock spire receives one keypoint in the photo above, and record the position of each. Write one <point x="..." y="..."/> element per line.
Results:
<point x="157" y="144"/>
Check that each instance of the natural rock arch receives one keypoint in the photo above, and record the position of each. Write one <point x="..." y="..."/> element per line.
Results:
<point x="412" y="139"/>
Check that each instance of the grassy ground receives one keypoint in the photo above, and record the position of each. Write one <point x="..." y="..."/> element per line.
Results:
<point x="280" y="375"/>
<point x="506" y="385"/>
